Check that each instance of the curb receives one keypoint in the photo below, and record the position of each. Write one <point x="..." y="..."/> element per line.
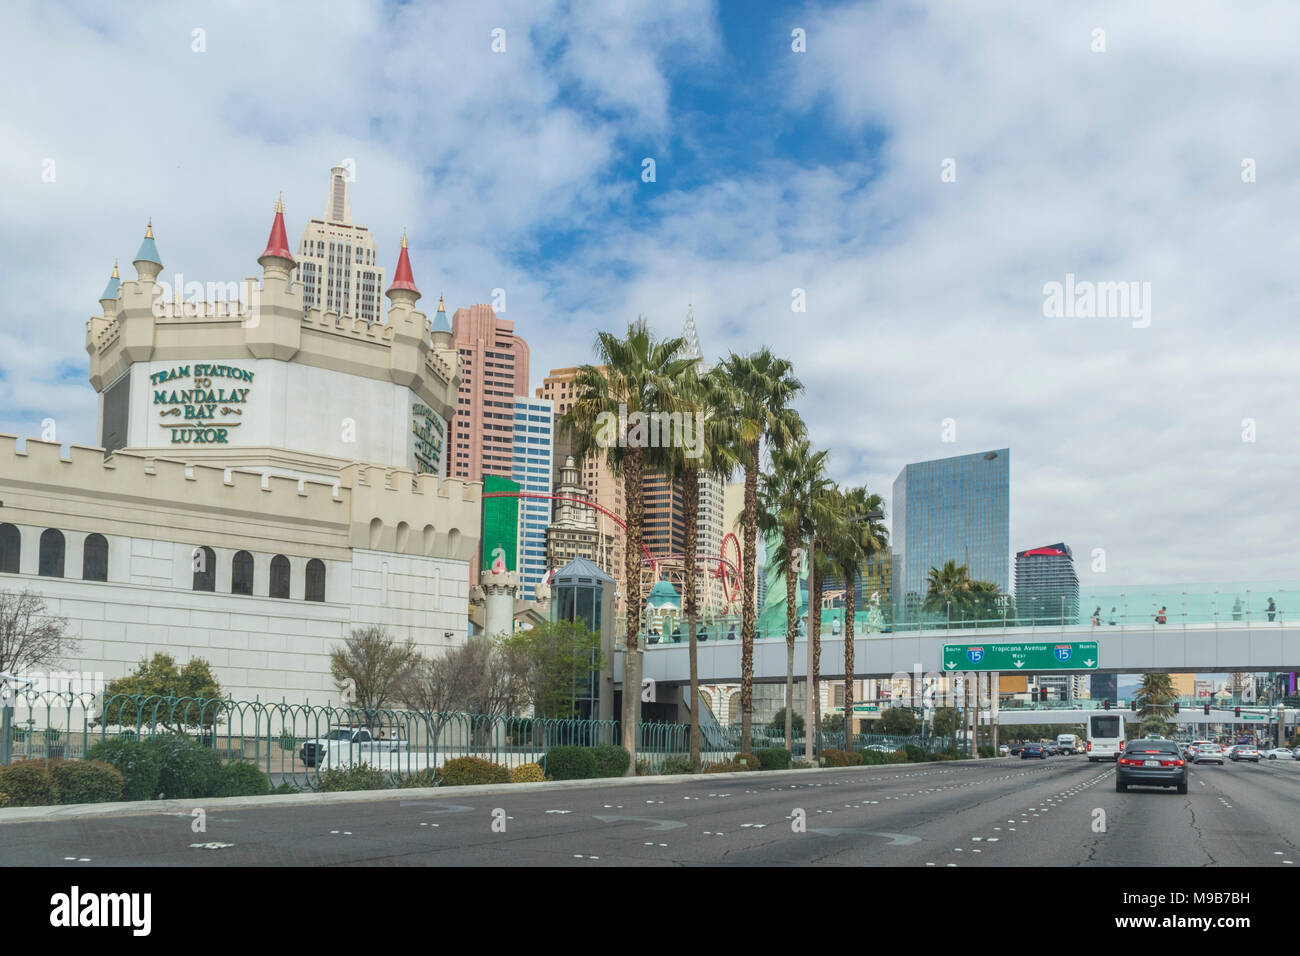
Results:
<point x="86" y="811"/>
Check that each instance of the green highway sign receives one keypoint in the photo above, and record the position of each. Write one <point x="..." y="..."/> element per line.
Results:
<point x="1028" y="657"/>
<point x="1254" y="717"/>
<point x="858" y="709"/>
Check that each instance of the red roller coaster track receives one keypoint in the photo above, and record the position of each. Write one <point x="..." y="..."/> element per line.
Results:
<point x="731" y="567"/>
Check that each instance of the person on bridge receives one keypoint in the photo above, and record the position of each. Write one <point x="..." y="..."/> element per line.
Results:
<point x="1112" y="617"/>
<point x="1096" y="617"/>
<point x="1271" y="609"/>
<point x="1160" y="616"/>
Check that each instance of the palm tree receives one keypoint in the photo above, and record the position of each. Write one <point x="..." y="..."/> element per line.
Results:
<point x="1155" y="697"/>
<point x="856" y="539"/>
<point x="949" y="589"/>
<point x="825" y="528"/>
<point x="635" y="375"/>
<point x="711" y="455"/>
<point x="760" y="388"/>
<point x="798" y="475"/>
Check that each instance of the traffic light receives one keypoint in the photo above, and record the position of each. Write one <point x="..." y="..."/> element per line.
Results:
<point x="1207" y="710"/>
<point x="1237" y="712"/>
<point x="1175" y="707"/>
<point x="1133" y="704"/>
<point x="1105" y="705"/>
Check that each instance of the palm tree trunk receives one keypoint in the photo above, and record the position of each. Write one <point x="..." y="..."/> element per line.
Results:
<point x="632" y="595"/>
<point x="815" y="626"/>
<point x="747" y="609"/>
<point x="849" y="596"/>
<point x="691" y="513"/>
<point x="791" y="619"/>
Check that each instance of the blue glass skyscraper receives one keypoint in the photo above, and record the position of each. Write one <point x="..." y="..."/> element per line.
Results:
<point x="534" y="443"/>
<point x="950" y="509"/>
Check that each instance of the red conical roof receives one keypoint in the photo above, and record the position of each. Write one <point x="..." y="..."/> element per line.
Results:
<point x="278" y="244"/>
<point x="402" y="278"/>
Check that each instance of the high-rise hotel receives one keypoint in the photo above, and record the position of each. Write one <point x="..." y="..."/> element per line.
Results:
<point x="950" y="509"/>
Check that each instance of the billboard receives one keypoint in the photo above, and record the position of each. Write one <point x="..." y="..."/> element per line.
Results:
<point x="500" y="524"/>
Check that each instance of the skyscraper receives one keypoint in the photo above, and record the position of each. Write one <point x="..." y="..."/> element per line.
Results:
<point x="950" y="509"/>
<point x="603" y="487"/>
<point x="573" y="532"/>
<point x="534" y="431"/>
<point x="1047" y="587"/>
<point x="493" y="371"/>
<point x="337" y="260"/>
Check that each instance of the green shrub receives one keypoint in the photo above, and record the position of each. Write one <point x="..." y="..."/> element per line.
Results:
<point x="189" y="770"/>
<point x="643" y="768"/>
<point x="285" y="788"/>
<point x="872" y="758"/>
<point x="140" y="766"/>
<point x="800" y="765"/>
<point x="915" y="754"/>
<point x="611" y="760"/>
<point x="27" y="784"/>
<point x="472" y="771"/>
<point x="527" y="773"/>
<point x="774" y="758"/>
<point x="898" y="756"/>
<point x="428" y="777"/>
<point x="747" y="762"/>
<point x="987" y="751"/>
<point x="569" y="763"/>
<point x="360" y="776"/>
<point x="240" y="779"/>
<point x="840" y="758"/>
<point x="86" y="781"/>
<point x="725" y="767"/>
<point x="678" y="763"/>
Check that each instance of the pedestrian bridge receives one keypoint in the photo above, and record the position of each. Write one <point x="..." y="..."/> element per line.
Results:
<point x="1209" y="647"/>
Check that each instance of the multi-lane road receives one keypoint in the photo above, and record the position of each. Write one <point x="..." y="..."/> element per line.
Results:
<point x="1007" y="812"/>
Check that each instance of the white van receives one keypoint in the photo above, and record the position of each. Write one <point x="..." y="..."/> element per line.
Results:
<point x="1105" y="736"/>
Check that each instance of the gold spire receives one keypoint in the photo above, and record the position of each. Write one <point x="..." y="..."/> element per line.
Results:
<point x="440" y="308"/>
<point x="115" y="275"/>
<point x="279" y="204"/>
<point x="403" y="237"/>
<point x="148" y="233"/>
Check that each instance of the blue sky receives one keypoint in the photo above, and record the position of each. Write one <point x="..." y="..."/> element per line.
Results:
<point x="776" y="171"/>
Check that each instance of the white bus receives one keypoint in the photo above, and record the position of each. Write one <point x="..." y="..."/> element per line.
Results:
<point x="1105" y="736"/>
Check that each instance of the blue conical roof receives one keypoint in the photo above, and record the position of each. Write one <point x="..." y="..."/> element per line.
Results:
<point x="114" y="283"/>
<point x="148" y="251"/>
<point x="664" y="593"/>
<point x="440" y="321"/>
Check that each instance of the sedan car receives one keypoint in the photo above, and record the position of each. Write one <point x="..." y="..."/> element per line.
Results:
<point x="1033" y="750"/>
<point x="1150" y="763"/>
<point x="1273" y="753"/>
<point x="1004" y="750"/>
<point x="1016" y="748"/>
<point x="1245" y="752"/>
<point x="1208" y="753"/>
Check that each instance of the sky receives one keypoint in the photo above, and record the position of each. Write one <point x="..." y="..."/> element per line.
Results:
<point x="916" y="175"/>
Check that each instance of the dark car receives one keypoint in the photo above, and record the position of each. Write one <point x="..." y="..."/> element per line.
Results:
<point x="1016" y="748"/>
<point x="1033" y="750"/>
<point x="1150" y="763"/>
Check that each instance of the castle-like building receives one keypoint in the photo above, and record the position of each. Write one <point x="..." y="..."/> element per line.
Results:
<point x="270" y="477"/>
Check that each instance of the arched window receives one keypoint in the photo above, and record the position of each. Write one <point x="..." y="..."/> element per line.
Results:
<point x="205" y="568"/>
<point x="52" y="549"/>
<point x="241" y="573"/>
<point x="94" y="558"/>
<point x="315" y="580"/>
<point x="11" y="544"/>
<point x="279" y="576"/>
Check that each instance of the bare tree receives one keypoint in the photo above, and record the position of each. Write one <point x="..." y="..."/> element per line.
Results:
<point x="483" y="676"/>
<point x="30" y="637"/>
<point x="374" y="664"/>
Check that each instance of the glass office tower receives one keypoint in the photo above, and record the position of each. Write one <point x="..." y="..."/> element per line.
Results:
<point x="534" y="436"/>
<point x="950" y="509"/>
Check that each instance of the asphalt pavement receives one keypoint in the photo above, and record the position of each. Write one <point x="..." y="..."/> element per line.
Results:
<point x="1063" y="811"/>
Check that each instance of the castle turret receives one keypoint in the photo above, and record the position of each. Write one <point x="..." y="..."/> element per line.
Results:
<point x="108" y="298"/>
<point x="410" y="328"/>
<point x="277" y="260"/>
<point x="147" y="264"/>
<point x="441" y="328"/>
<point x="275" y="320"/>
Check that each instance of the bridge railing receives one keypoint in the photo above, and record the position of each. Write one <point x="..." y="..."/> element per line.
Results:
<point x="1250" y="604"/>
